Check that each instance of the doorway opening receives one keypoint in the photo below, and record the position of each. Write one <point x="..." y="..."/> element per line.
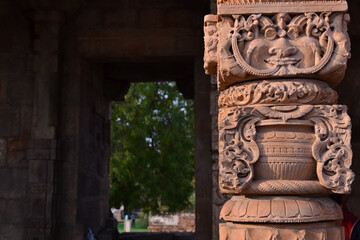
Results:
<point x="152" y="180"/>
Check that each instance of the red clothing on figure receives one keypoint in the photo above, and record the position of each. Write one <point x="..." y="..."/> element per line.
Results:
<point x="351" y="225"/>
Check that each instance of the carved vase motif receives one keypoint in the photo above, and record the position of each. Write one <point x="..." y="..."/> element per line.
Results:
<point x="285" y="151"/>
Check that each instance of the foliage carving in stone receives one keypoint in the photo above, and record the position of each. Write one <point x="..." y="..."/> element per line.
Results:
<point x="278" y="92"/>
<point x="328" y="144"/>
<point x="307" y="45"/>
<point x="282" y="138"/>
<point x="332" y="147"/>
<point x="238" y="150"/>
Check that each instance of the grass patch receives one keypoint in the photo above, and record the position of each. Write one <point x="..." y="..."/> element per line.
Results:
<point x="133" y="229"/>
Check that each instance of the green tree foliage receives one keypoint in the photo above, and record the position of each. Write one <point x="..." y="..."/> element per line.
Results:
<point x="152" y="163"/>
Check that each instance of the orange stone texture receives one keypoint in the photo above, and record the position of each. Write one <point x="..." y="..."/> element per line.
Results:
<point x="284" y="142"/>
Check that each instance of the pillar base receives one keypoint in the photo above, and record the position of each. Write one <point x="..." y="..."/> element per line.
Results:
<point x="280" y="209"/>
<point x="313" y="231"/>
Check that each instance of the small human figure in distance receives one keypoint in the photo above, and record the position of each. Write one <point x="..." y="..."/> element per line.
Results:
<point x="133" y="220"/>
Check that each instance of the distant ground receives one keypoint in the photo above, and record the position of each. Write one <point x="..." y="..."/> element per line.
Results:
<point x="133" y="229"/>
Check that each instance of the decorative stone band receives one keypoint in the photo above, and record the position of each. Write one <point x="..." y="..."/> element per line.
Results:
<point x="314" y="231"/>
<point x="280" y="209"/>
<point x="282" y="187"/>
<point x="286" y="147"/>
<point x="227" y="7"/>
<point x="279" y="92"/>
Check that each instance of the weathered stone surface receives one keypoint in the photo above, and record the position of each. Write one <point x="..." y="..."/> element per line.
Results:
<point x="13" y="184"/>
<point x="3" y="89"/>
<point x="2" y="211"/>
<point x="15" y="211"/>
<point x="241" y="146"/>
<point x="10" y="231"/>
<point x="284" y="45"/>
<point x="21" y="89"/>
<point x="121" y="17"/>
<point x="12" y="63"/>
<point x="275" y="6"/>
<point x="203" y="161"/>
<point x="280" y="130"/>
<point x="11" y="123"/>
<point x="3" y="152"/>
<point x="317" y="231"/>
<point x="26" y="114"/>
<point x="180" y="222"/>
<point x="17" y="153"/>
<point x="266" y="209"/>
<point x="279" y="92"/>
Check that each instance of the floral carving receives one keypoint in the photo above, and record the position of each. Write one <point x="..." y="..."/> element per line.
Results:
<point x="238" y="150"/>
<point x="278" y="92"/>
<point x="332" y="147"/>
<point x="280" y="130"/>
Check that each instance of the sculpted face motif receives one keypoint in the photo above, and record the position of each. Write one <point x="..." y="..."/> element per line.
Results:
<point x="283" y="53"/>
<point x="308" y="45"/>
<point x="280" y="46"/>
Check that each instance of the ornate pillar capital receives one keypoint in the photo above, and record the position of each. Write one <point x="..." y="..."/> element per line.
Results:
<point x="271" y="41"/>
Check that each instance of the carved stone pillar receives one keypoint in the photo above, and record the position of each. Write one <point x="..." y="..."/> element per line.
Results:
<point x="284" y="142"/>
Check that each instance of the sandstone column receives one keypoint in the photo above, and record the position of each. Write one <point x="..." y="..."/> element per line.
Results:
<point x="284" y="142"/>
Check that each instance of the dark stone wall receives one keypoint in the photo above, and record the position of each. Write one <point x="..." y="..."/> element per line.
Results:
<point x="98" y="41"/>
<point x="54" y="133"/>
<point x="94" y="151"/>
<point x="16" y="104"/>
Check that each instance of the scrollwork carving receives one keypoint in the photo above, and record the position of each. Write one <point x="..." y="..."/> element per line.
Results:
<point x="278" y="92"/>
<point x="280" y="130"/>
<point x="332" y="147"/>
<point x="258" y="46"/>
<point x="238" y="150"/>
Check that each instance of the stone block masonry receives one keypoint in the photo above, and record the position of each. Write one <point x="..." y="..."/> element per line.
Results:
<point x="179" y="222"/>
